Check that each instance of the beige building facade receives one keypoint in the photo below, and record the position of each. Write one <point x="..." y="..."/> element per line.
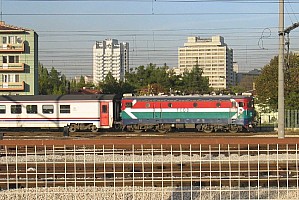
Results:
<point x="213" y="56"/>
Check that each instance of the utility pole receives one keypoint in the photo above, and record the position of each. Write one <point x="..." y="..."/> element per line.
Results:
<point x="281" y="71"/>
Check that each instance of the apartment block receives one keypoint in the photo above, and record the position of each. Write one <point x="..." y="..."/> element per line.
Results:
<point x="110" y="56"/>
<point x="213" y="56"/>
<point x="19" y="60"/>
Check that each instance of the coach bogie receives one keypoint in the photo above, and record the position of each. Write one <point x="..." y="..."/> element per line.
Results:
<point x="73" y="128"/>
<point x="83" y="127"/>
<point x="94" y="128"/>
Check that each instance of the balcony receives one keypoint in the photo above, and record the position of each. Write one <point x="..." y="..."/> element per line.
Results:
<point x="12" y="86"/>
<point x="12" y="48"/>
<point x="12" y="67"/>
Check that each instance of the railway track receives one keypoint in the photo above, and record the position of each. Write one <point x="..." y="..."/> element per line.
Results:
<point x="88" y="135"/>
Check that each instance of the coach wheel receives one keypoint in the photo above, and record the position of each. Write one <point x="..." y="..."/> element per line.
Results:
<point x="72" y="129"/>
<point x="94" y="129"/>
<point x="207" y="129"/>
<point x="233" y="129"/>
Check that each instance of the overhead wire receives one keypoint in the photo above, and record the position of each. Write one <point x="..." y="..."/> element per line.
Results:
<point x="147" y="50"/>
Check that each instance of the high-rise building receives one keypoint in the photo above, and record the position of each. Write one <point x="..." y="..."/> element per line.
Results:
<point x="110" y="56"/>
<point x="213" y="56"/>
<point x="19" y="60"/>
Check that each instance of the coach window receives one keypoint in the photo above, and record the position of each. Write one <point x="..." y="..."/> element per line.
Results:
<point x="16" y="109"/>
<point x="241" y="104"/>
<point x="48" y="109"/>
<point x="218" y="104"/>
<point x="147" y="105"/>
<point x="169" y="105"/>
<point x="2" y="109"/>
<point x="195" y="105"/>
<point x="65" y="109"/>
<point x="104" y="109"/>
<point x="31" y="109"/>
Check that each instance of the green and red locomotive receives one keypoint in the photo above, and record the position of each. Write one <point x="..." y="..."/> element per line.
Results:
<point x="204" y="113"/>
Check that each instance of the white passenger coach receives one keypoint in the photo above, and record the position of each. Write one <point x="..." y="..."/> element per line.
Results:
<point x="71" y="112"/>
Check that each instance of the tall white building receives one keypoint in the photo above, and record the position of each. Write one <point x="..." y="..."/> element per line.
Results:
<point x="110" y="56"/>
<point x="212" y="55"/>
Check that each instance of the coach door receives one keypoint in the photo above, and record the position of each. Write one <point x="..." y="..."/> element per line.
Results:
<point x="104" y="115"/>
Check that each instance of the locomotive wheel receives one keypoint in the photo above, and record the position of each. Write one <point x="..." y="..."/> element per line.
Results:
<point x="207" y="129"/>
<point x="136" y="129"/>
<point x="72" y="129"/>
<point x="233" y="129"/>
<point x="94" y="129"/>
<point x="162" y="129"/>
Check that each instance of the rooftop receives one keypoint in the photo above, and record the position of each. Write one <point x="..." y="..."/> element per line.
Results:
<point x="9" y="28"/>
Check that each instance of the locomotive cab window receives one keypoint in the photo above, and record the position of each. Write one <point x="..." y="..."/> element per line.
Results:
<point x="48" y="109"/>
<point x="65" y="109"/>
<point x="31" y="109"/>
<point x="250" y="104"/>
<point x="234" y="104"/>
<point x="2" y="109"/>
<point x="16" y="109"/>
<point x="128" y="104"/>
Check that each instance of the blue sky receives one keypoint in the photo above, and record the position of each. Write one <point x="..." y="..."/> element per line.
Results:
<point x="154" y="29"/>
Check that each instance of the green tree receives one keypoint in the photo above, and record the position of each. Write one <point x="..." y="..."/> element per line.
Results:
<point x="267" y="84"/>
<point x="51" y="82"/>
<point x="194" y="82"/>
<point x="112" y="86"/>
<point x="43" y="77"/>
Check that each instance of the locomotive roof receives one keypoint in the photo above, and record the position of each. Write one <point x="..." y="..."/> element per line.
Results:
<point x="193" y="97"/>
<point x="58" y="97"/>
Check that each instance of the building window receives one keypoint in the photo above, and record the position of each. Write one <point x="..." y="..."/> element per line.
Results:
<point x="13" y="59"/>
<point x="5" y="78"/>
<point x="65" y="109"/>
<point x="4" y="59"/>
<point x="31" y="109"/>
<point x="16" y="109"/>
<point x="17" y="78"/>
<point x="4" y="40"/>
